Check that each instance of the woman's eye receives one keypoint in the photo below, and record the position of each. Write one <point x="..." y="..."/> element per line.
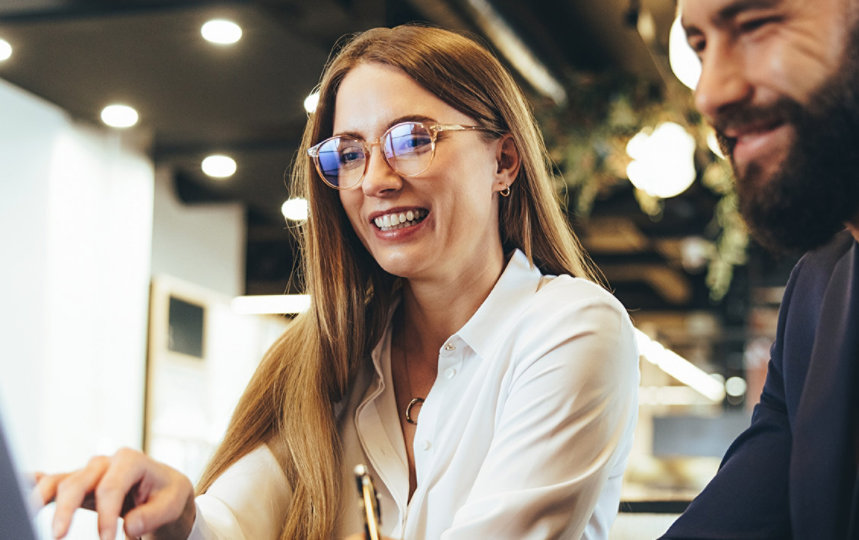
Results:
<point x="351" y="156"/>
<point x="410" y="144"/>
<point x="418" y="142"/>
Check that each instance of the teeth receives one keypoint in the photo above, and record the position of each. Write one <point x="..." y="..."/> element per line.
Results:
<point x="390" y="222"/>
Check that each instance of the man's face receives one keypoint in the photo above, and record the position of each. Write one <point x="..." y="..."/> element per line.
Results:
<point x="779" y="84"/>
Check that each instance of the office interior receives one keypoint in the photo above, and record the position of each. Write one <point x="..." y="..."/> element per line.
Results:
<point x="134" y="280"/>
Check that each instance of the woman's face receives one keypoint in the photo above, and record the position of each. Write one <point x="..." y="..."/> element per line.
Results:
<point x="453" y="204"/>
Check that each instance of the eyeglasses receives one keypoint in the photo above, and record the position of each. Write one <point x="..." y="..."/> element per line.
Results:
<point x="408" y="148"/>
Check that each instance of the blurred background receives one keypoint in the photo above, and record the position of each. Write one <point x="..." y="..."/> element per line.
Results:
<point x="139" y="240"/>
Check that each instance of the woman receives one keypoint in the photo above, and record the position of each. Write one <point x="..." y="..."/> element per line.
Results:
<point x="488" y="398"/>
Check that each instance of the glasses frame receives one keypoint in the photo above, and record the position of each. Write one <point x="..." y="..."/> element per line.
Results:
<point x="367" y="147"/>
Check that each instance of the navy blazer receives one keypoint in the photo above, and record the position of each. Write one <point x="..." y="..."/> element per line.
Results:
<point x="792" y="473"/>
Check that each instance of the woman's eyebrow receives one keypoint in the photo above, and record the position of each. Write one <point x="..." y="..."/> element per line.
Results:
<point x="392" y="123"/>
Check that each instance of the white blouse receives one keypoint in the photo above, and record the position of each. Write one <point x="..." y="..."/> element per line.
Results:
<point x="525" y="433"/>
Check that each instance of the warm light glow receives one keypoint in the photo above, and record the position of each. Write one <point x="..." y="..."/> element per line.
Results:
<point x="294" y="209"/>
<point x="5" y="50"/>
<point x="713" y="144"/>
<point x="119" y="116"/>
<point x="736" y="386"/>
<point x="678" y="367"/>
<point x="684" y="62"/>
<point x="221" y="32"/>
<point x="219" y="166"/>
<point x="310" y="102"/>
<point x="274" y="304"/>
<point x="663" y="161"/>
<point x="670" y="395"/>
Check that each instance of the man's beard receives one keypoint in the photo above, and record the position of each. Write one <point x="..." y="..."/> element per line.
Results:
<point x="816" y="189"/>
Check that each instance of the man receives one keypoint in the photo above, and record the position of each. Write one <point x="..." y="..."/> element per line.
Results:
<point x="779" y="83"/>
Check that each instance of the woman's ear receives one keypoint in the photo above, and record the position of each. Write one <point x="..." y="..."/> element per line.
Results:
<point x="508" y="162"/>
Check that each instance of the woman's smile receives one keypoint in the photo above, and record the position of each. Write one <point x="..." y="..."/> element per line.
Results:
<point x="399" y="219"/>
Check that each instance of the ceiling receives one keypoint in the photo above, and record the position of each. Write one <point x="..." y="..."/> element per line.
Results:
<point x="246" y="100"/>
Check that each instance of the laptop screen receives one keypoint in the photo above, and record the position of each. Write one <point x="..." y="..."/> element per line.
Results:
<point x="15" y="519"/>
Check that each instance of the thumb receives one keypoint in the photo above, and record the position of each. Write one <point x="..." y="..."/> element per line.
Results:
<point x="168" y="515"/>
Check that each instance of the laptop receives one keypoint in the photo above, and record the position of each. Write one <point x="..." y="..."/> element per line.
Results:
<point x="16" y="521"/>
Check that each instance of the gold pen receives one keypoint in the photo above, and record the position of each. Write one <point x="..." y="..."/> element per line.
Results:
<point x="369" y="503"/>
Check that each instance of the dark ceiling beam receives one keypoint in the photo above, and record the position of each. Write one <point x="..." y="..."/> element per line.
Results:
<point x="173" y="151"/>
<point x="61" y="11"/>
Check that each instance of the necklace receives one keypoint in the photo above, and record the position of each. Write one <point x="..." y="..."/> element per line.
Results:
<point x="415" y="400"/>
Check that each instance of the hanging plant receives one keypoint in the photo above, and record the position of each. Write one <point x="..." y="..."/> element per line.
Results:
<point x="587" y="140"/>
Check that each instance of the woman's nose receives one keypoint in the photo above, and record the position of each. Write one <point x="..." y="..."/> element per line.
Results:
<point x="379" y="177"/>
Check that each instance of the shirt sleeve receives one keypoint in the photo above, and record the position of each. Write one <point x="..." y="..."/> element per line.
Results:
<point x="247" y="502"/>
<point x="564" y="426"/>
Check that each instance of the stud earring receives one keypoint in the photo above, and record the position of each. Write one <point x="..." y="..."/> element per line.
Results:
<point x="505" y="192"/>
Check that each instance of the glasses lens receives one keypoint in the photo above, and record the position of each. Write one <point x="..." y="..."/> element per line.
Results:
<point x="409" y="147"/>
<point x="341" y="161"/>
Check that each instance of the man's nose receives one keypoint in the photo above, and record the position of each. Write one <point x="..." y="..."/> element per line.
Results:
<point x="724" y="80"/>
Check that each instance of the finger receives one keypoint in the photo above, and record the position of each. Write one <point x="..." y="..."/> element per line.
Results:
<point x="127" y="468"/>
<point x="70" y="491"/>
<point x="46" y="486"/>
<point x="169" y="506"/>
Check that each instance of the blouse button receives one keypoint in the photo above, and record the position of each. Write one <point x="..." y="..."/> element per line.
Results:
<point x="426" y="445"/>
<point x="450" y="373"/>
<point x="449" y="346"/>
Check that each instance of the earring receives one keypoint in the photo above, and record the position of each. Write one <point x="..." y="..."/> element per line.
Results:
<point x="505" y="192"/>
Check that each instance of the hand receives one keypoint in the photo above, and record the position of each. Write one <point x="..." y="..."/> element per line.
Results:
<point x="153" y="499"/>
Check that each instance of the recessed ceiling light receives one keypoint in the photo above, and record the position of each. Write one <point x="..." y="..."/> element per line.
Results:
<point x="221" y="32"/>
<point x="119" y="116"/>
<point x="5" y="50"/>
<point x="219" y="166"/>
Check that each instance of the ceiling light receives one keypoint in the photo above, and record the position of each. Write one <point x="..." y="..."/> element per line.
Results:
<point x="310" y="102"/>
<point x="221" y="32"/>
<point x="273" y="304"/>
<point x="684" y="62"/>
<point x="119" y="116"/>
<point x="219" y="166"/>
<point x="5" y="50"/>
<point x="663" y="163"/>
<point x="295" y="209"/>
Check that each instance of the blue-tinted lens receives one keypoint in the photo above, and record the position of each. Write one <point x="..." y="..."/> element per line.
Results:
<point x="408" y="148"/>
<point x="407" y="139"/>
<point x="341" y="161"/>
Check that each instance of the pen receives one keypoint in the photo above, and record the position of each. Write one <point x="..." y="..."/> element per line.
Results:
<point x="369" y="503"/>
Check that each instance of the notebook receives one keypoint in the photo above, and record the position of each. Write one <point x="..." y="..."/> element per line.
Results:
<point x="16" y="522"/>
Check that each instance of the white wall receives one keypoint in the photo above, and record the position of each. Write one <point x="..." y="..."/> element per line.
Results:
<point x="75" y="230"/>
<point x="202" y="244"/>
<point x="85" y="221"/>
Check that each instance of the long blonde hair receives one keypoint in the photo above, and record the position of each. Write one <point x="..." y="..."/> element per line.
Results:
<point x="289" y="401"/>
